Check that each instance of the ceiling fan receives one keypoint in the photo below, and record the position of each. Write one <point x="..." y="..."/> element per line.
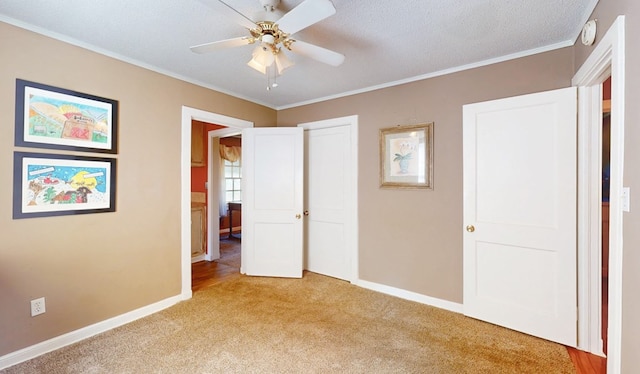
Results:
<point x="272" y="36"/>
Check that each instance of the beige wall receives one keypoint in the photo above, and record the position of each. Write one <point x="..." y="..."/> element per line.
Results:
<point x="97" y="266"/>
<point x="412" y="240"/>
<point x="606" y="12"/>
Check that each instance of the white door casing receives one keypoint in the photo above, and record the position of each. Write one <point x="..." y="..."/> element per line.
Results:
<point x="213" y="197"/>
<point x="214" y="191"/>
<point x="331" y="197"/>
<point x="520" y="197"/>
<point x="272" y="202"/>
<point x="189" y="114"/>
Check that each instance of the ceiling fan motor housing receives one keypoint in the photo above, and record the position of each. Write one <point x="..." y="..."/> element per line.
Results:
<point x="269" y="33"/>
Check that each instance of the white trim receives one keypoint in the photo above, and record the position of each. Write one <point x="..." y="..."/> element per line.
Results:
<point x="198" y="258"/>
<point x="189" y="114"/>
<point x="412" y="296"/>
<point x="530" y="52"/>
<point x="213" y="252"/>
<point x="607" y="57"/>
<point x="352" y="200"/>
<point x="58" y="342"/>
<point x="213" y="215"/>
<point x="590" y="219"/>
<point x="213" y="189"/>
<point x="129" y="60"/>
<point x="91" y="47"/>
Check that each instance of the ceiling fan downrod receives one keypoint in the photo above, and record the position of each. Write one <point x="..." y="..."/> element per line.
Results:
<point x="269" y="5"/>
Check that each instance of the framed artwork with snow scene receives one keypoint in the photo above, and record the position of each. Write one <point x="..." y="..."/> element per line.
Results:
<point x="56" y="118"/>
<point x="54" y="185"/>
<point x="406" y="156"/>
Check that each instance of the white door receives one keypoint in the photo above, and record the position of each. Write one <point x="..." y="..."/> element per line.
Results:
<point x="328" y="198"/>
<point x="520" y="213"/>
<point x="272" y="198"/>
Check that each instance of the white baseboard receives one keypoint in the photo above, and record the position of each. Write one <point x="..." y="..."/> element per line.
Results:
<point x="234" y="229"/>
<point x="58" y="342"/>
<point x="198" y="258"/>
<point x="412" y="296"/>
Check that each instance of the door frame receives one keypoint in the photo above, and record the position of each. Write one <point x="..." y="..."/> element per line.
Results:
<point x="352" y="215"/>
<point x="213" y="209"/>
<point x="189" y="114"/>
<point x="607" y="59"/>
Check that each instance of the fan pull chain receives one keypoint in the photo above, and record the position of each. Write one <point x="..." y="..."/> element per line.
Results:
<point x="272" y="75"/>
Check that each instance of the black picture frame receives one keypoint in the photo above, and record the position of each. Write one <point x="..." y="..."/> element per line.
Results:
<point x="56" y="118"/>
<point x="54" y="185"/>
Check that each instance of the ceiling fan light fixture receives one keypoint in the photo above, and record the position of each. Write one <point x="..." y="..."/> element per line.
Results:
<point x="282" y="62"/>
<point x="254" y="64"/>
<point x="262" y="56"/>
<point x="269" y="57"/>
<point x="268" y="38"/>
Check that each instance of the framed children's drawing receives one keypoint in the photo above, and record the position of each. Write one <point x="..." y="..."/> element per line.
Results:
<point x="57" y="118"/>
<point x="54" y="185"/>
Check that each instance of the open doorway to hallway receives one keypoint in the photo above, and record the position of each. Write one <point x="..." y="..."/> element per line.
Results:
<point x="606" y="166"/>
<point x="216" y="196"/>
<point x="232" y="126"/>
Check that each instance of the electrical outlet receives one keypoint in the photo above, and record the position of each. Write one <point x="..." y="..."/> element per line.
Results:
<point x="37" y="307"/>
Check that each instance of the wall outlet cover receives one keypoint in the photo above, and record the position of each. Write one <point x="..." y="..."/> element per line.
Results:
<point x="37" y="307"/>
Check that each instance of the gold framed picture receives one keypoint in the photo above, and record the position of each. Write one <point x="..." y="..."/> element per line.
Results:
<point x="406" y="156"/>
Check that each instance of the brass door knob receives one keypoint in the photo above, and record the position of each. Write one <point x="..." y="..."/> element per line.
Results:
<point x="298" y="216"/>
<point x="306" y="212"/>
<point x="471" y="228"/>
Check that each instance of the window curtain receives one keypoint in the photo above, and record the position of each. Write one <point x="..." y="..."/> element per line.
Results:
<point x="231" y="154"/>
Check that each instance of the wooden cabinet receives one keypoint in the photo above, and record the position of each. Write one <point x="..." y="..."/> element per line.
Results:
<point x="198" y="230"/>
<point x="198" y="225"/>
<point x="197" y="143"/>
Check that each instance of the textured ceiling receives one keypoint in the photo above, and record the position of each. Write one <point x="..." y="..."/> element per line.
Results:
<point x="385" y="42"/>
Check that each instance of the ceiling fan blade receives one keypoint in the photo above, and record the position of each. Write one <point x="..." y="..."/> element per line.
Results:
<point x="317" y="53"/>
<point x="214" y="46"/>
<point x="239" y="17"/>
<point x="305" y="15"/>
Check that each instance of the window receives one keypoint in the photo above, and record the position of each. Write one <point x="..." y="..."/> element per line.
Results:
<point x="232" y="179"/>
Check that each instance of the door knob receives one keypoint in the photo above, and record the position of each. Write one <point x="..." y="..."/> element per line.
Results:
<point x="306" y="212"/>
<point x="298" y="216"/>
<point x="471" y="228"/>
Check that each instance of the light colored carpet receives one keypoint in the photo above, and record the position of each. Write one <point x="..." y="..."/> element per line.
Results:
<point x="311" y="325"/>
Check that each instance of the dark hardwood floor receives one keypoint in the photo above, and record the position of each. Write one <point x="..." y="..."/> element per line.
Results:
<point x="586" y="363"/>
<point x="205" y="274"/>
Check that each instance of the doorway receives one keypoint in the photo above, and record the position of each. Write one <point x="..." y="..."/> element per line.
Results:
<point x="606" y="167"/>
<point x="233" y="125"/>
<point x="287" y="211"/>
<point x="217" y="180"/>
<point x="606" y="60"/>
